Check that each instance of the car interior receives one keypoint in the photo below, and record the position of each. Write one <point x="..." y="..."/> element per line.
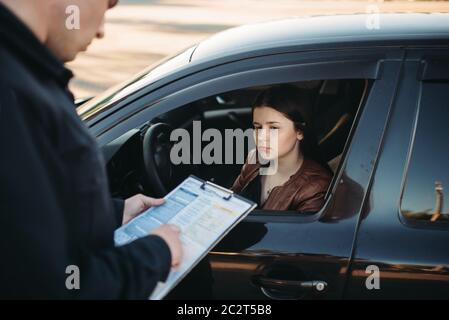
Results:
<point x="142" y="163"/>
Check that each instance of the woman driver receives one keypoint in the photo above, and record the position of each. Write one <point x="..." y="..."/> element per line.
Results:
<point x="300" y="181"/>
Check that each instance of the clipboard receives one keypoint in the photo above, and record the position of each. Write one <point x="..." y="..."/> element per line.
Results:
<point x="214" y="211"/>
<point x="213" y="185"/>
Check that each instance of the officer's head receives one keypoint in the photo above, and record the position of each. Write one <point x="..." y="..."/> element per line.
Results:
<point x="66" y="27"/>
<point x="75" y="23"/>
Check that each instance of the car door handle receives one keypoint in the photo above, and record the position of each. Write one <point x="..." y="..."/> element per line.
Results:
<point x="288" y="289"/>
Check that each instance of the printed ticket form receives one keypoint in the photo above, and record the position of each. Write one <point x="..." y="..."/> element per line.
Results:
<point x="205" y="213"/>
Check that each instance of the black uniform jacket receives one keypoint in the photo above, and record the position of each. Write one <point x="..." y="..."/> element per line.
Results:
<point x="55" y="206"/>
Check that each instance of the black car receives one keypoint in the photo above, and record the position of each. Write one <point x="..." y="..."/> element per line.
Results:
<point x="381" y="115"/>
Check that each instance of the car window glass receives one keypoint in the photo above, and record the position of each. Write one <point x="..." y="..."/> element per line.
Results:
<point x="427" y="178"/>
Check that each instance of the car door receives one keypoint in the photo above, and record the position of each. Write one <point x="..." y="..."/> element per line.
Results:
<point x="284" y="255"/>
<point x="402" y="246"/>
<point x="280" y="255"/>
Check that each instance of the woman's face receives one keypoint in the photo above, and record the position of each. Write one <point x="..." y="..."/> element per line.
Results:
<point x="275" y="134"/>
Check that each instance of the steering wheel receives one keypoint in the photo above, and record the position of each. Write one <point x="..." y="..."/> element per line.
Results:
<point x="156" y="157"/>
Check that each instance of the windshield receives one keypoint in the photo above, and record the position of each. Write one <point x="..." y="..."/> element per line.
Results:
<point x="142" y="79"/>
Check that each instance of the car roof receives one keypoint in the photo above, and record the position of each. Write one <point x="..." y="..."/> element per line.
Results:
<point x="318" y="30"/>
<point x="277" y="36"/>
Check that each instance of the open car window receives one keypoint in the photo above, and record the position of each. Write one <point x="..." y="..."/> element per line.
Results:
<point x="334" y="110"/>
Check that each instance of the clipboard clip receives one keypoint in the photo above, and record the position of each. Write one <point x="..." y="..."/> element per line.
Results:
<point x="229" y="192"/>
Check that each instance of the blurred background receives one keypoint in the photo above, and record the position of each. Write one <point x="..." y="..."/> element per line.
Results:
<point x="141" y="32"/>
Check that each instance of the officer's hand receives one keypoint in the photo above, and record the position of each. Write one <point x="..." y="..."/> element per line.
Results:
<point x="137" y="204"/>
<point x="170" y="233"/>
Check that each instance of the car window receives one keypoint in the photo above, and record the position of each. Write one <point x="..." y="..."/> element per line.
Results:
<point x="427" y="178"/>
<point x="333" y="109"/>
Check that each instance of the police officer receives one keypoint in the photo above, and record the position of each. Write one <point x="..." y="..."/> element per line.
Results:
<point x="56" y="213"/>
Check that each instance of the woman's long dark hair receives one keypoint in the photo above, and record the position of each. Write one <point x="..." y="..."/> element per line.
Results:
<point x="296" y="105"/>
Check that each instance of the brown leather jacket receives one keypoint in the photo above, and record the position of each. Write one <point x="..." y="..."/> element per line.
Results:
<point x="304" y="191"/>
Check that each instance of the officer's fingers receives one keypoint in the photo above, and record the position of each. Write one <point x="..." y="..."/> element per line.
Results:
<point x="170" y="234"/>
<point x="175" y="244"/>
<point x="151" y="202"/>
<point x="177" y="255"/>
<point x="174" y="228"/>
